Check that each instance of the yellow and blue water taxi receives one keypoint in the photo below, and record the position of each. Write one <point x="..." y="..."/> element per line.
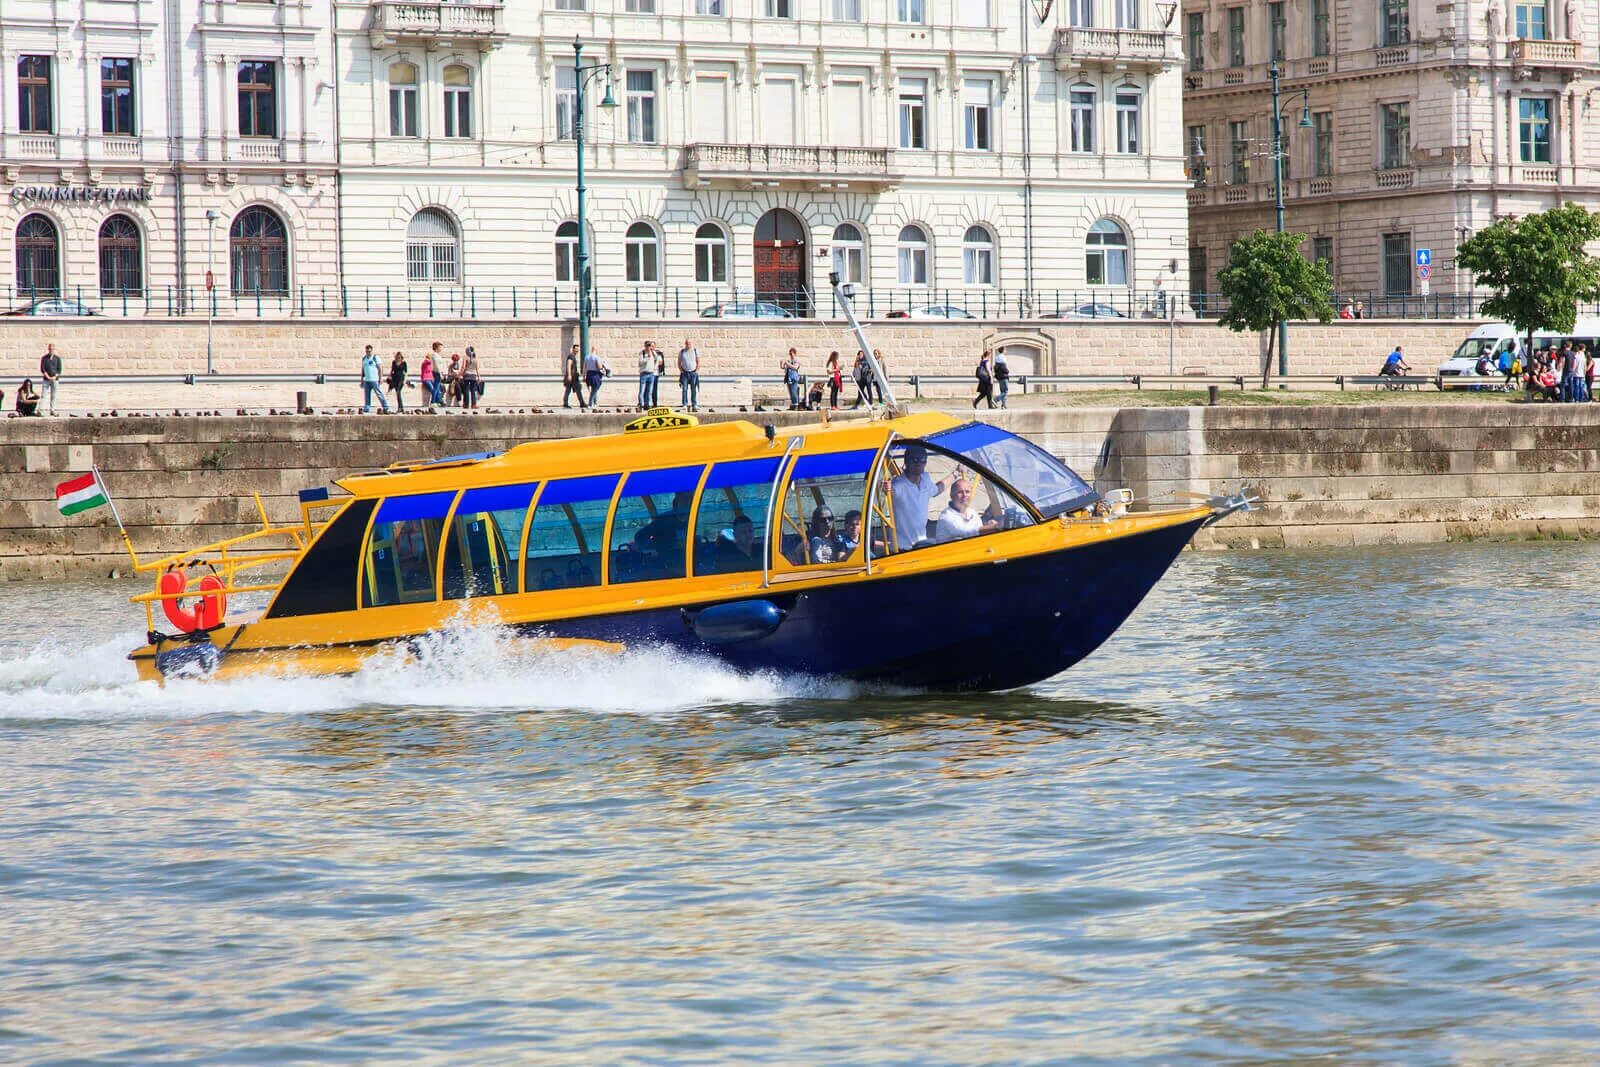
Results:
<point x="917" y="549"/>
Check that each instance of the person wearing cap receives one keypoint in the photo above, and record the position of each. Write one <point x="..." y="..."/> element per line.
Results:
<point x="913" y="490"/>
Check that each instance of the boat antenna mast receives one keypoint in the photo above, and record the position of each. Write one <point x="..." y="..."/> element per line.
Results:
<point x="843" y="292"/>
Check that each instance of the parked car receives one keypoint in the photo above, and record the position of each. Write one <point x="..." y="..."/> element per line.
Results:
<point x="933" y="311"/>
<point x="751" y="309"/>
<point x="1087" y="311"/>
<point x="53" y="307"/>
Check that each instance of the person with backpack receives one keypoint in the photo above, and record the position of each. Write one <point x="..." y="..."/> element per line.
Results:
<point x="985" y="381"/>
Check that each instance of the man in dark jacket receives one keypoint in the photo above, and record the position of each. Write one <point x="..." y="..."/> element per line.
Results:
<point x="50" y="371"/>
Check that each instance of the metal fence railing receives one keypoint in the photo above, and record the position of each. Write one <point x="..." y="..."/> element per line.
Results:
<point x="560" y="302"/>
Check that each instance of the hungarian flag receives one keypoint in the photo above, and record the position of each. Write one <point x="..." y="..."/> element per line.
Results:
<point x="80" y="494"/>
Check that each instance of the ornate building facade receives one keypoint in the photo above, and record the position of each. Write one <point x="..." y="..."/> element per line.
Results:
<point x="1407" y="127"/>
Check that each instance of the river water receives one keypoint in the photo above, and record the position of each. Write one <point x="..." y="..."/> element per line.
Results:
<point x="1330" y="804"/>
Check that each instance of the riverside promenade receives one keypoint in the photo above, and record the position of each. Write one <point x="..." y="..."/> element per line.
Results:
<point x="1346" y="474"/>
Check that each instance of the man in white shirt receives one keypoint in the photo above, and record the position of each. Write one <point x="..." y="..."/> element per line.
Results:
<point x="689" y="374"/>
<point x="959" y="520"/>
<point x="913" y="490"/>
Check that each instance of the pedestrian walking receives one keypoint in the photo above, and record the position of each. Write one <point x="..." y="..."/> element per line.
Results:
<point x="689" y="374"/>
<point x="985" y="375"/>
<point x="882" y="376"/>
<point x="647" y="375"/>
<point x="452" y="381"/>
<point x="1002" y="376"/>
<point x="595" y="372"/>
<point x="50" y="373"/>
<point x="372" y="382"/>
<point x="661" y="371"/>
<point x="572" y="378"/>
<point x="835" y="379"/>
<point x="791" y="377"/>
<point x="862" y="374"/>
<point x="437" y="351"/>
<point x="397" y="380"/>
<point x="471" y="379"/>
<point x="426" y="376"/>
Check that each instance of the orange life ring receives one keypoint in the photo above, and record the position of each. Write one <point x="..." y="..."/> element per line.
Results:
<point x="207" y="611"/>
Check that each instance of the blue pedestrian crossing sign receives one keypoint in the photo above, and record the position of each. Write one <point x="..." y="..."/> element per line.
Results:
<point x="1424" y="257"/>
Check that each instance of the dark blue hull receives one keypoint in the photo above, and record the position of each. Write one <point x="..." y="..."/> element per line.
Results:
<point x="991" y="626"/>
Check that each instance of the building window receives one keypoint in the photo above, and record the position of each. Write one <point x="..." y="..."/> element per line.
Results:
<point x="1082" y="105"/>
<point x="849" y="253"/>
<point x="1396" y="136"/>
<point x="1238" y="153"/>
<point x="566" y="103"/>
<point x="569" y="5"/>
<point x="977" y="256"/>
<point x="847" y="10"/>
<point x="1106" y="255"/>
<point x="1197" y="276"/>
<point x="1235" y="36"/>
<point x="912" y="257"/>
<point x="1533" y="129"/>
<point x="1194" y="26"/>
<point x="567" y="252"/>
<point x="258" y="253"/>
<point x="640" y="7"/>
<point x="1533" y="22"/>
<point x="1321" y="28"/>
<point x="1128" y="123"/>
<point x="457" y="102"/>
<point x="780" y="9"/>
<point x="121" y="272"/>
<point x="258" y="99"/>
<point x="911" y="11"/>
<point x="913" y="112"/>
<point x="976" y="111"/>
<point x="1196" y="140"/>
<point x="433" y="248"/>
<point x="708" y="7"/>
<point x="641" y="85"/>
<point x="972" y="12"/>
<point x="38" y="257"/>
<point x="116" y="97"/>
<point x="643" y="253"/>
<point x="1397" y="264"/>
<point x="711" y="254"/>
<point x="1127" y="14"/>
<point x="1080" y="13"/>
<point x="1276" y="26"/>
<point x="1322" y="250"/>
<point x="1322" y="133"/>
<point x="402" y="100"/>
<point x="1394" y="17"/>
<point x="34" y="112"/>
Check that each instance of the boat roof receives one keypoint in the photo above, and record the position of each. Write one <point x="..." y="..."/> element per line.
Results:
<point x="575" y="457"/>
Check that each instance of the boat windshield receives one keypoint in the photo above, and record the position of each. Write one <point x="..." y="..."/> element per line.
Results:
<point x="1048" y="484"/>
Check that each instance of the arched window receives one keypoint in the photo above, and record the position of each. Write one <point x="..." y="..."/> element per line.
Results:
<point x="913" y="257"/>
<point x="977" y="256"/>
<point x="258" y="252"/>
<point x="567" y="252"/>
<point x="38" y="256"/>
<point x="849" y="253"/>
<point x="643" y="253"/>
<point x="433" y="248"/>
<point x="402" y="100"/>
<point x="1106" y="258"/>
<point x="121" y="272"/>
<point x="710" y="254"/>
<point x="457" y="102"/>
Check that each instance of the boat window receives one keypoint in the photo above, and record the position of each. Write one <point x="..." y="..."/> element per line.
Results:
<point x="565" y="532"/>
<point x="823" y="491"/>
<point x="649" y="536"/>
<point x="919" y="507"/>
<point x="730" y="526"/>
<point x="1049" y="485"/>
<point x="403" y="548"/>
<point x="325" y="578"/>
<point x="482" y="555"/>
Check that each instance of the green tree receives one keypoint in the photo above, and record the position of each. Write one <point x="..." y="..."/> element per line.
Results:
<point x="1267" y="281"/>
<point x="1537" y="268"/>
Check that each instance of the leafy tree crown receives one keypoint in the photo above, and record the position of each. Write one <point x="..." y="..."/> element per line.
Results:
<point x="1537" y="267"/>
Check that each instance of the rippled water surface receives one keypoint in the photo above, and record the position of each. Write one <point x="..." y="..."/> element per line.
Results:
<point x="1334" y="804"/>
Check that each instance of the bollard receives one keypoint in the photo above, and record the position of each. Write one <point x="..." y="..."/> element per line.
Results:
<point x="1211" y="395"/>
<point x="302" y="404"/>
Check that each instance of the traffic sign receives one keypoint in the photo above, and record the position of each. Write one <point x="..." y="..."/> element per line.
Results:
<point x="1424" y="257"/>
<point x="1423" y="289"/>
<point x="1423" y="271"/>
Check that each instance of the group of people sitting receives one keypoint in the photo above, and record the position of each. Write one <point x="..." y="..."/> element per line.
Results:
<point x="1562" y="372"/>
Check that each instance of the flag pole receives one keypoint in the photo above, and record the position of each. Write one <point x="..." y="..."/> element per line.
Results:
<point x="123" y="530"/>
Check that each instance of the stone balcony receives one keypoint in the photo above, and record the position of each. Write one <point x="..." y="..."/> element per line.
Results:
<point x="437" y="23"/>
<point x="1078" y="47"/>
<point x="745" y="166"/>
<point x="1544" y="53"/>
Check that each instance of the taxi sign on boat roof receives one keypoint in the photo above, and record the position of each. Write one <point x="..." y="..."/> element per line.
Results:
<point x="660" y="419"/>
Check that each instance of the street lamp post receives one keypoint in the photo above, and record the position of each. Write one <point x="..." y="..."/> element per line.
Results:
<point x="1277" y="189"/>
<point x="581" y="78"/>
<point x="211" y="303"/>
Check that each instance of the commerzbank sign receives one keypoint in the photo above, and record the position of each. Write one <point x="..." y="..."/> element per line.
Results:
<point x="79" y="194"/>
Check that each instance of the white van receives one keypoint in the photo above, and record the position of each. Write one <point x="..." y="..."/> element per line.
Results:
<point x="1492" y="338"/>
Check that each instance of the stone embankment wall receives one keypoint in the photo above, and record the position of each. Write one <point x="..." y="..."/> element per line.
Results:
<point x="1327" y="476"/>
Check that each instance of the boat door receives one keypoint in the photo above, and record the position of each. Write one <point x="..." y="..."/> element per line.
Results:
<point x="820" y="519"/>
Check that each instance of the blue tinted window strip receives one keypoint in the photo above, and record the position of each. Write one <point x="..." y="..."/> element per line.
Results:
<point x="421" y="506"/>
<point x="833" y="463"/>
<point x="578" y="490"/>
<point x="966" y="438"/>
<point x="671" y="480"/>
<point x="742" y="472"/>
<point x="496" y="498"/>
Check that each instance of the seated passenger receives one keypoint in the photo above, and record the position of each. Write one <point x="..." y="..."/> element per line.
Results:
<point x="740" y="551"/>
<point x="913" y="490"/>
<point x="850" y="539"/>
<point x="821" y="545"/>
<point x="959" y="520"/>
<point x="579" y="573"/>
<point x="549" y="579"/>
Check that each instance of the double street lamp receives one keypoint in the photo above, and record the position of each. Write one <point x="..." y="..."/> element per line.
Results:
<point x="1277" y="184"/>
<point x="582" y="76"/>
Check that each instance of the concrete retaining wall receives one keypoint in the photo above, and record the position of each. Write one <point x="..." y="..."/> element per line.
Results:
<point x="1342" y="475"/>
